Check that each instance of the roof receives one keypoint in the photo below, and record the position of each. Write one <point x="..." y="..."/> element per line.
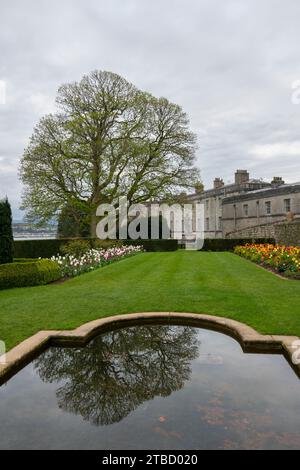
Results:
<point x="264" y="193"/>
<point x="231" y="188"/>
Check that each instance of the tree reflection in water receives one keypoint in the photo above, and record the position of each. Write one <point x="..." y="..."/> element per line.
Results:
<point x="119" y="370"/>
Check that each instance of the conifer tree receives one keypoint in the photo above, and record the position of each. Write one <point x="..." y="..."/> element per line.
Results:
<point x="6" y="233"/>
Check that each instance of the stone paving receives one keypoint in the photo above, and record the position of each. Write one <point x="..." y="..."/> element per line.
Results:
<point x="249" y="339"/>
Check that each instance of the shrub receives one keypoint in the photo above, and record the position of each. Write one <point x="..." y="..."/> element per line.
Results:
<point x="76" y="248"/>
<point x="31" y="273"/>
<point x="24" y="260"/>
<point x="6" y="234"/>
<point x="51" y="247"/>
<point x="73" y="222"/>
<point x="229" y="244"/>
<point x="105" y="244"/>
<point x="44" y="248"/>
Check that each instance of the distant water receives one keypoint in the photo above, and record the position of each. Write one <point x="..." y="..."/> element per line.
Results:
<point x="34" y="238"/>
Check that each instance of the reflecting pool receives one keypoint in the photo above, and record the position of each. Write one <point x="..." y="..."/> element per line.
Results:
<point x="152" y="387"/>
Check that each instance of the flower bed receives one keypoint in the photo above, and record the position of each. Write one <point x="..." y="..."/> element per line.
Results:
<point x="281" y="259"/>
<point x="72" y="266"/>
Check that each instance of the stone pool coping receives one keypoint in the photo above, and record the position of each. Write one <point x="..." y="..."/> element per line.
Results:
<point x="250" y="340"/>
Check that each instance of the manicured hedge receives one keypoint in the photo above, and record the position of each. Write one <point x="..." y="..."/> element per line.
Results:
<point x="46" y="248"/>
<point x="38" y="248"/>
<point x="30" y="273"/>
<point x="227" y="244"/>
<point x="24" y="260"/>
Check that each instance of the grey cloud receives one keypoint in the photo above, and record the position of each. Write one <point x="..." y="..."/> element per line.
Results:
<point x="229" y="64"/>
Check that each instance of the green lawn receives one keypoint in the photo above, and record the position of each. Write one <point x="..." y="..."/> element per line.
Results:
<point x="212" y="283"/>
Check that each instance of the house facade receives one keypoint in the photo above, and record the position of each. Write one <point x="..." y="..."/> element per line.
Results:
<point x="260" y="209"/>
<point x="244" y="208"/>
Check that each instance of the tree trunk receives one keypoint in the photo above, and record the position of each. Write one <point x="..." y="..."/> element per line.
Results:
<point x="93" y="224"/>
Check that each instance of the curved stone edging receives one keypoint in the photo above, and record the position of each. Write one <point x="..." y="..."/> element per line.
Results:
<point x="249" y="339"/>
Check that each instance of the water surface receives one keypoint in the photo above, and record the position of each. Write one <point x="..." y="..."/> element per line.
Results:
<point x="152" y="387"/>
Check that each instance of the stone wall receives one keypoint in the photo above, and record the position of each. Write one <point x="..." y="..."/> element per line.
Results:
<point x="255" y="208"/>
<point x="288" y="233"/>
<point x="256" y="231"/>
<point x="285" y="233"/>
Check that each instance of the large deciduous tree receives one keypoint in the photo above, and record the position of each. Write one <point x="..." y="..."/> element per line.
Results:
<point x="108" y="139"/>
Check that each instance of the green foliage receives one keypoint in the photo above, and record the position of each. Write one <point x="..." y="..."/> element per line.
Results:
<point x="52" y="247"/>
<point x="6" y="233"/>
<point x="32" y="273"/>
<point x="24" y="260"/>
<point x="37" y="248"/>
<point x="228" y="244"/>
<point x="76" y="248"/>
<point x="48" y="248"/>
<point x="108" y="139"/>
<point x="105" y="244"/>
<point x="73" y="222"/>
<point x="199" y="187"/>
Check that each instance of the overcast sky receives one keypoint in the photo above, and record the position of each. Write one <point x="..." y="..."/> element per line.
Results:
<point x="229" y="63"/>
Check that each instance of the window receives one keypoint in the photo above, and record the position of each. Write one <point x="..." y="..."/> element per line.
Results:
<point x="207" y="204"/>
<point x="268" y="207"/>
<point x="246" y="210"/>
<point x="207" y="224"/>
<point x="287" y="205"/>
<point x="257" y="209"/>
<point x="220" y="223"/>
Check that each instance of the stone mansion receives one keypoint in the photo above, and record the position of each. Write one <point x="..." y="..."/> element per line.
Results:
<point x="248" y="208"/>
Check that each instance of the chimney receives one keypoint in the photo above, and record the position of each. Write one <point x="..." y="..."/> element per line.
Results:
<point x="277" y="181"/>
<point x="241" y="176"/>
<point x="218" y="183"/>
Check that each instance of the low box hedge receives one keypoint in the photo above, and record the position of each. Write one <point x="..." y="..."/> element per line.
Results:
<point x="29" y="273"/>
<point x="228" y="244"/>
<point x="46" y="248"/>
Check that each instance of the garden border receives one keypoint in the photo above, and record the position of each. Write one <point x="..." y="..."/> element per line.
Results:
<point x="250" y="340"/>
